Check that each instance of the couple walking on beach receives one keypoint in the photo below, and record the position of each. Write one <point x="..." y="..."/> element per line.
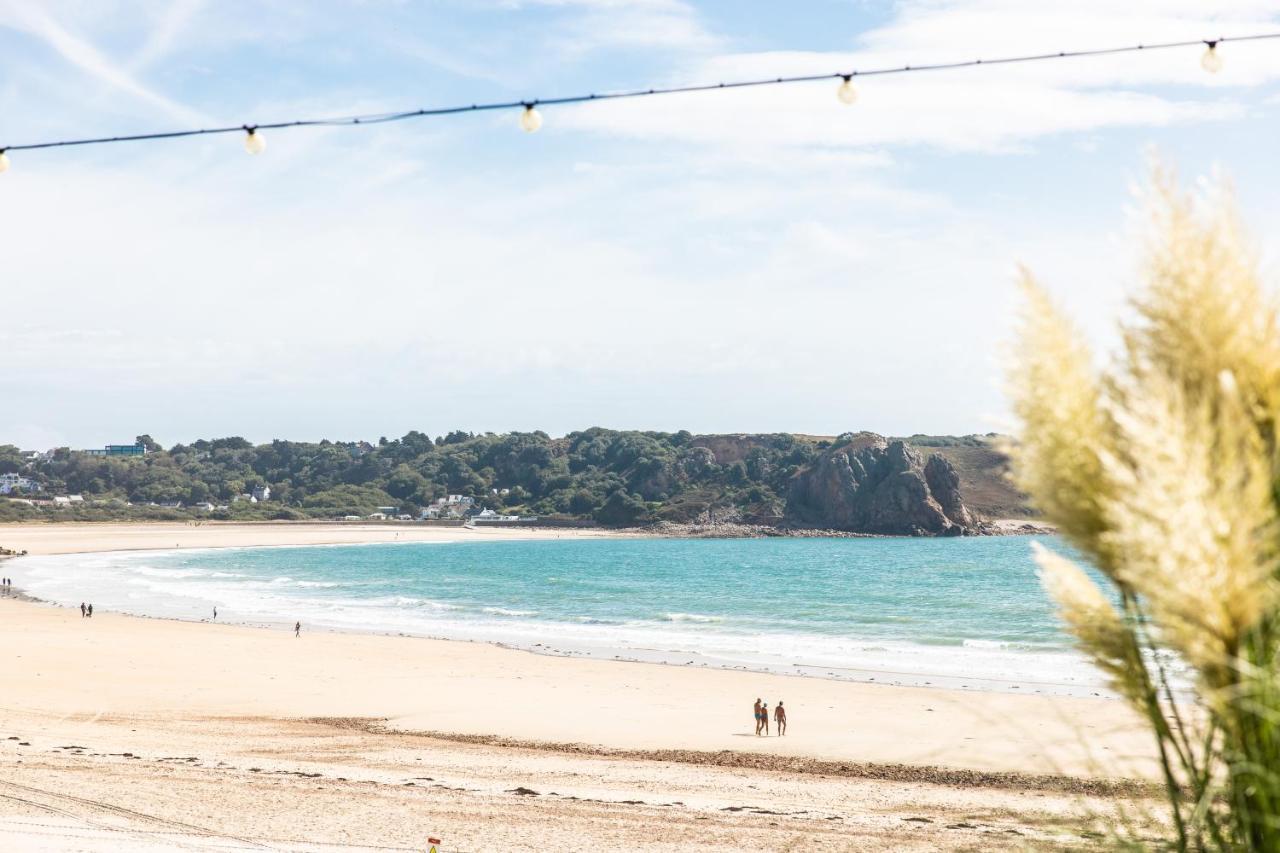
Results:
<point x="85" y="611"/>
<point x="762" y="718"/>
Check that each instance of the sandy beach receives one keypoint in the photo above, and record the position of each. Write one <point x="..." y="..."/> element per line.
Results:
<point x="120" y="724"/>
<point x="81" y="537"/>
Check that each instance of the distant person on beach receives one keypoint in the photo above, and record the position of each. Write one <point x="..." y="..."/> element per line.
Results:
<point x="764" y="718"/>
<point x="215" y="611"/>
<point x="757" y="714"/>
<point x="82" y="610"/>
<point x="780" y="717"/>
<point x="90" y="609"/>
<point x="297" y="629"/>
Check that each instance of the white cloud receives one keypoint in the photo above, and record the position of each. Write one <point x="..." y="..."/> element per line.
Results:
<point x="82" y="54"/>
<point x="972" y="109"/>
<point x="174" y="23"/>
<point x="596" y="25"/>
<point x="764" y="260"/>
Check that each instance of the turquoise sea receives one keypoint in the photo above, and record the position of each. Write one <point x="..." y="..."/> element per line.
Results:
<point x="966" y="611"/>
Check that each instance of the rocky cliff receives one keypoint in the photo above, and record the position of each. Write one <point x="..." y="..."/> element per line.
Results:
<point x="870" y="484"/>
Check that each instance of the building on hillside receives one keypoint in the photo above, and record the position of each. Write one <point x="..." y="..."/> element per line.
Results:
<point x="117" y="450"/>
<point x="261" y="493"/>
<point x="388" y="511"/>
<point x="14" y="483"/>
<point x="452" y="506"/>
<point x="377" y="516"/>
<point x="488" y="516"/>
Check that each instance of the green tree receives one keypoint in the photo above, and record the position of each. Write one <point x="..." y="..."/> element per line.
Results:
<point x="622" y="510"/>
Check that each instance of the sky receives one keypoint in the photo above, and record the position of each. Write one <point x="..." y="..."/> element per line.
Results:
<point x="756" y="260"/>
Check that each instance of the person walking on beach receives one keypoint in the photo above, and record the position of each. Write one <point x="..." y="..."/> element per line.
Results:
<point x="82" y="610"/>
<point x="764" y="718"/>
<point x="297" y="629"/>
<point x="215" y="611"/>
<point x="90" y="611"/>
<point x="757" y="715"/>
<point x="780" y="717"/>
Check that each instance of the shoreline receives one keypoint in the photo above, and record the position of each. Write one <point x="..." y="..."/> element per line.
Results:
<point x="78" y="537"/>
<point x="268" y="535"/>
<point x="145" y="725"/>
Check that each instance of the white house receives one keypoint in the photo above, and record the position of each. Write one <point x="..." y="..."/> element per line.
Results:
<point x="10" y="483"/>
<point x="261" y="493"/>
<point x="488" y="516"/>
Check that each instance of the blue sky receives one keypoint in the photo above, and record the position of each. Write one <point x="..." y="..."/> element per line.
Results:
<point x="752" y="261"/>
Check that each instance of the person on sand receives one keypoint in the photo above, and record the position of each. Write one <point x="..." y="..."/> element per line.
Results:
<point x="215" y="611"/>
<point x="764" y="718"/>
<point x="297" y="629"/>
<point x="90" y="611"/>
<point x="780" y="717"/>
<point x="757" y="716"/>
<point x="82" y="610"/>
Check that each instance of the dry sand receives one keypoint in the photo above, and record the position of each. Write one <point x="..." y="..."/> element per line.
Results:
<point x="80" y="537"/>
<point x="133" y="732"/>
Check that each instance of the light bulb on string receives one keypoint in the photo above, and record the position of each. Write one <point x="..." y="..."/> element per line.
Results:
<point x="847" y="93"/>
<point x="1211" y="60"/>
<point x="530" y="119"/>
<point x="254" y="142"/>
<point x="4" y="161"/>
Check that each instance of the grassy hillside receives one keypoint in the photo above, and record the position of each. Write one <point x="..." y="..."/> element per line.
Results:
<point x="983" y="471"/>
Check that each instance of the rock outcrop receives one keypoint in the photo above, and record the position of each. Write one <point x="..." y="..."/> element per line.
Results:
<point x="868" y="484"/>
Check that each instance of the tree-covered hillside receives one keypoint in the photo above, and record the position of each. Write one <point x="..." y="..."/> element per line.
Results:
<point x="613" y="477"/>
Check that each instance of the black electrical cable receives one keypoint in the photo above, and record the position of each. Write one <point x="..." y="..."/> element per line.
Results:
<point x="382" y="118"/>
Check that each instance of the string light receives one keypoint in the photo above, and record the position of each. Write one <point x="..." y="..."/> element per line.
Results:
<point x="531" y="118"/>
<point x="254" y="142"/>
<point x="847" y="93"/>
<point x="1211" y="61"/>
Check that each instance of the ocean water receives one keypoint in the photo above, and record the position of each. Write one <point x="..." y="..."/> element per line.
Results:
<point x="944" y="612"/>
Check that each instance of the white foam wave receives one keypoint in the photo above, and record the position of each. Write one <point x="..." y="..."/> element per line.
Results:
<point x="174" y="574"/>
<point x="691" y="617"/>
<point x="148" y="588"/>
